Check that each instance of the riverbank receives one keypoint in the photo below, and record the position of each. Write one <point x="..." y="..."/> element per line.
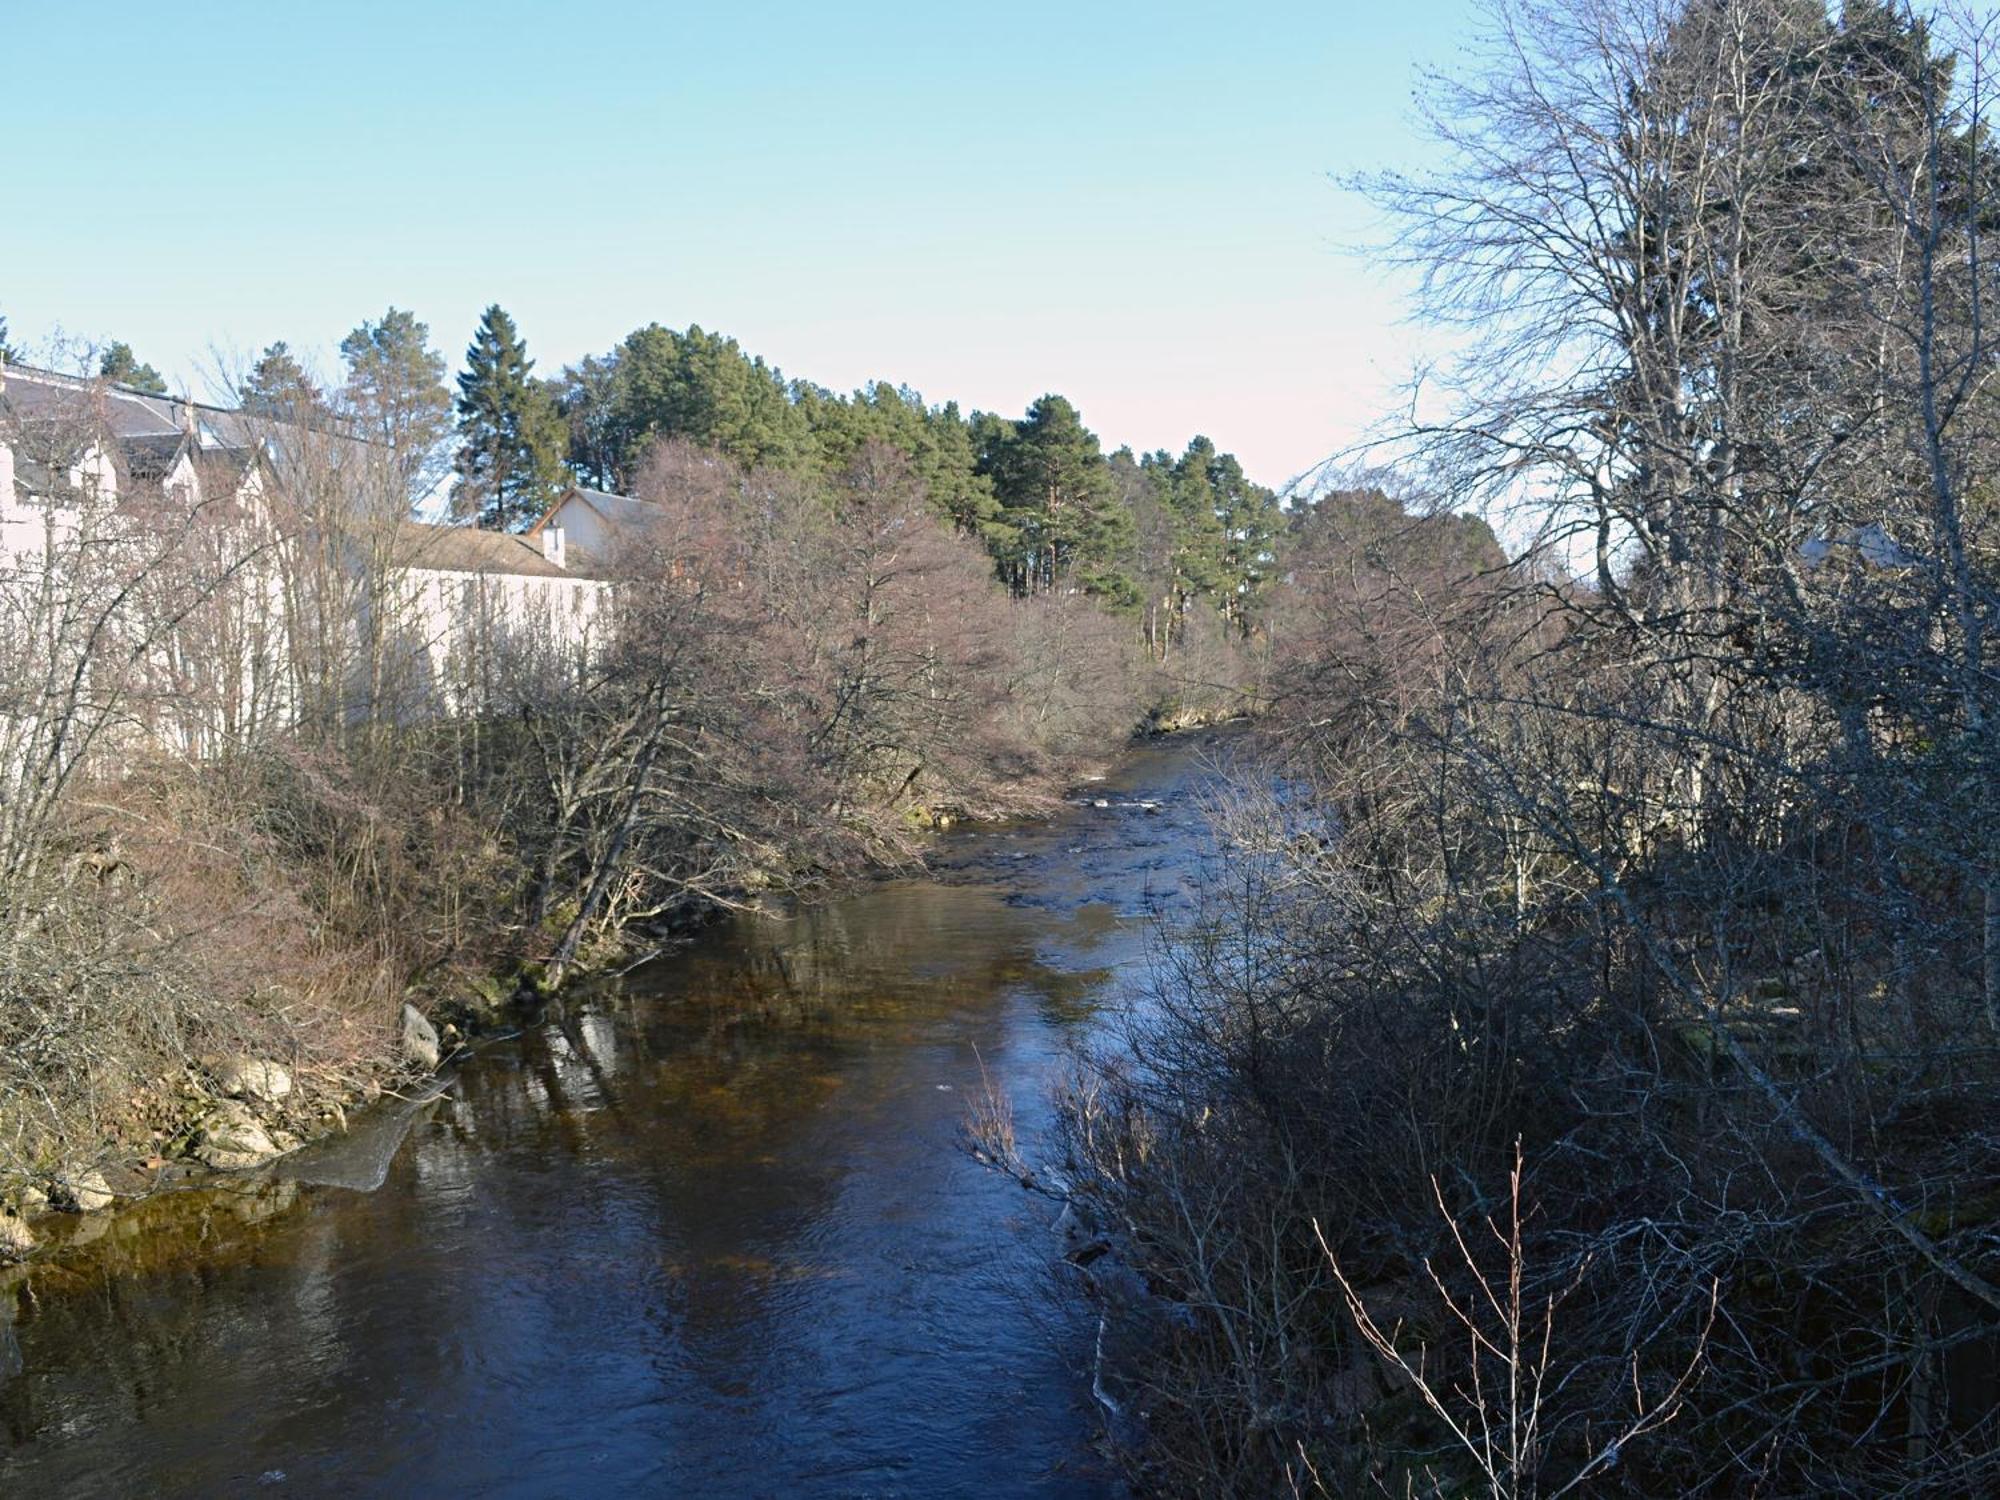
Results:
<point x="706" y="1227"/>
<point x="294" y="1075"/>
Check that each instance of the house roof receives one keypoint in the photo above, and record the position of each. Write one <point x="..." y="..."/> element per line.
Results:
<point x="151" y="432"/>
<point x="467" y="549"/>
<point x="152" y="455"/>
<point x="621" y="512"/>
<point x="131" y="415"/>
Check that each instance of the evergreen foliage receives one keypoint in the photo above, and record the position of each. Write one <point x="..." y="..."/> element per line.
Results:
<point x="1164" y="532"/>
<point x="701" y="387"/>
<point x="396" y="393"/>
<point x="1058" y="522"/>
<point x="583" y="397"/>
<point x="278" y="387"/>
<point x="121" y="366"/>
<point x="511" y="435"/>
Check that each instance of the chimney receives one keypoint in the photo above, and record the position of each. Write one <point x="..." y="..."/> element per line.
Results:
<point x="552" y="546"/>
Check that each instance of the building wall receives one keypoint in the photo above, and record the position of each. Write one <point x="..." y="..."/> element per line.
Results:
<point x="581" y="526"/>
<point x="475" y="639"/>
<point x="227" y="667"/>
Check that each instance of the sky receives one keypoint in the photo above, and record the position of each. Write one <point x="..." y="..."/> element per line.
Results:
<point x="1136" y="205"/>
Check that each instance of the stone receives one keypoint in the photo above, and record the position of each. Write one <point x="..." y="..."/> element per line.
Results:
<point x="230" y="1138"/>
<point x="1079" y="1245"/>
<point x="420" y="1039"/>
<point x="91" y="1192"/>
<point x="254" y="1078"/>
<point x="16" y="1238"/>
<point x="32" y="1200"/>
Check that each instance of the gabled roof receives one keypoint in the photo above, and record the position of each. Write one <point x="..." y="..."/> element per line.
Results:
<point x="151" y="434"/>
<point x="618" y="511"/>
<point x="129" y="414"/>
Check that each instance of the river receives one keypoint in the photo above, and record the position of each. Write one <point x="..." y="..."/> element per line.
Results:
<point x="706" y="1231"/>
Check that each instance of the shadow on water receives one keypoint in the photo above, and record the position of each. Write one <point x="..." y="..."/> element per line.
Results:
<point x="702" y="1231"/>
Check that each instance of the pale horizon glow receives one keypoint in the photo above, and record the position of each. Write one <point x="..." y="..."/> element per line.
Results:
<point x="1132" y="205"/>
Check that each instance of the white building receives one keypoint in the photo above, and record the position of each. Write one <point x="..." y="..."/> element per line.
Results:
<point x="594" y="529"/>
<point x="269" y="526"/>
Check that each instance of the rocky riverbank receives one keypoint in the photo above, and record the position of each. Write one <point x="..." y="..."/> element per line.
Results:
<point x="234" y="1117"/>
<point x="230" y="1114"/>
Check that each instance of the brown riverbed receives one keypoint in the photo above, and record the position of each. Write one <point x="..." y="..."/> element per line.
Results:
<point x="706" y="1231"/>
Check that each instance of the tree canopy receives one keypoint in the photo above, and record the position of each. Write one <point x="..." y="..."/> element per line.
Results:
<point x="119" y="364"/>
<point x="511" y="436"/>
<point x="396" y="394"/>
<point x="278" y="386"/>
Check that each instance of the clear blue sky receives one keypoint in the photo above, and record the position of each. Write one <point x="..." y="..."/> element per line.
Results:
<point x="1128" y="203"/>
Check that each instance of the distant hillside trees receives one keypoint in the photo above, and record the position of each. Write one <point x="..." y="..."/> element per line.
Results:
<point x="703" y="388"/>
<point x="1058" y="520"/>
<point x="583" y="395"/>
<point x="1181" y="548"/>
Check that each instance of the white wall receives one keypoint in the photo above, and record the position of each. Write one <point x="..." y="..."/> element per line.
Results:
<point x="476" y="633"/>
<point x="582" y="526"/>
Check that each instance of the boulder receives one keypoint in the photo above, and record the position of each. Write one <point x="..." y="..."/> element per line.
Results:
<point x="420" y="1039"/>
<point x="253" y="1078"/>
<point x="230" y="1138"/>
<point x="16" y="1238"/>
<point x="1079" y="1244"/>
<point x="90" y="1192"/>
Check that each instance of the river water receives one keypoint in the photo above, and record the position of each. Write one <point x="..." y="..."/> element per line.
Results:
<point x="704" y="1232"/>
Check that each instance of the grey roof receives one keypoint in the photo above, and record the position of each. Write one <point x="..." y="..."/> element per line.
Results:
<point x="152" y="455"/>
<point x="125" y="412"/>
<point x="128" y="413"/>
<point x="618" y="510"/>
<point x="151" y="432"/>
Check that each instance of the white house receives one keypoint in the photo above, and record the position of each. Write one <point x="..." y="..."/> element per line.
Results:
<point x="463" y="607"/>
<point x="593" y="528"/>
<point x="484" y="604"/>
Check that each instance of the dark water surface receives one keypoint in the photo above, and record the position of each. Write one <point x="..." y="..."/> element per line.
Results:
<point x="704" y="1233"/>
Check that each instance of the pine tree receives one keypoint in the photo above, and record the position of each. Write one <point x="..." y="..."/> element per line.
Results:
<point x="120" y="365"/>
<point x="7" y="353"/>
<point x="584" y="397"/>
<point x="278" y="387"/>
<point x="701" y="386"/>
<point x="1199" y="542"/>
<point x="511" y="436"/>
<point x="1060" y="522"/>
<point x="396" y="394"/>
<point x="1249" y="518"/>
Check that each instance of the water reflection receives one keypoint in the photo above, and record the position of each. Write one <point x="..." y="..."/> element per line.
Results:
<point x="703" y="1232"/>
